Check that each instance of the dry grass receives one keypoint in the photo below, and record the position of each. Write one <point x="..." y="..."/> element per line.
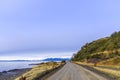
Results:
<point x="112" y="61"/>
<point x="113" y="73"/>
<point x="110" y="70"/>
<point x="84" y="63"/>
<point x="38" y="70"/>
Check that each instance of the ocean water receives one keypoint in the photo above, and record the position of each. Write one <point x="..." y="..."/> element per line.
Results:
<point x="5" y="66"/>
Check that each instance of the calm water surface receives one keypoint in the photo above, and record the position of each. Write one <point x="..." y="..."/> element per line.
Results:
<point x="5" y="66"/>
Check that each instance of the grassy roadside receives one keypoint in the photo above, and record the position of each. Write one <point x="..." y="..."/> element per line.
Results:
<point x="40" y="70"/>
<point x="112" y="71"/>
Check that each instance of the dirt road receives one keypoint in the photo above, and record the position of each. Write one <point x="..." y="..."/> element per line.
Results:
<point x="73" y="71"/>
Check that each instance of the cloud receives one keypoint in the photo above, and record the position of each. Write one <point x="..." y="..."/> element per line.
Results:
<point x="35" y="55"/>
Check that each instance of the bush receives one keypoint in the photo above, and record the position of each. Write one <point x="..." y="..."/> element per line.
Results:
<point x="22" y="78"/>
<point x="63" y="61"/>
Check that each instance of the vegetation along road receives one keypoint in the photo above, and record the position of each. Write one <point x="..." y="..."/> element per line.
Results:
<point x="73" y="71"/>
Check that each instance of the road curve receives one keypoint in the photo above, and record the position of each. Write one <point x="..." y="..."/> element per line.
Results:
<point x="73" y="71"/>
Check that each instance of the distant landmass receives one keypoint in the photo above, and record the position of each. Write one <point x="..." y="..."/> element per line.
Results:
<point x="56" y="59"/>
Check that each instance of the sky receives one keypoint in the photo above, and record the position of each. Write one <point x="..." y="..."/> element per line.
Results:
<point x="37" y="29"/>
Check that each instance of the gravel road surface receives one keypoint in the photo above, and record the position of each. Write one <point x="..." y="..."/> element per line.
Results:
<point x="73" y="71"/>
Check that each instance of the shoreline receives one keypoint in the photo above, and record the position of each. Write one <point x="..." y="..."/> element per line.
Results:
<point x="12" y="74"/>
<point x="41" y="71"/>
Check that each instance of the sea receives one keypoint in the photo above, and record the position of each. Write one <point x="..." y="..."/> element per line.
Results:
<point x="5" y="66"/>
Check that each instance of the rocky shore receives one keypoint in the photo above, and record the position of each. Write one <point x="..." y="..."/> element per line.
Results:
<point x="12" y="74"/>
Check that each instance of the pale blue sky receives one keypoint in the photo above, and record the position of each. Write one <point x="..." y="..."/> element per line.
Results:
<point x="54" y="28"/>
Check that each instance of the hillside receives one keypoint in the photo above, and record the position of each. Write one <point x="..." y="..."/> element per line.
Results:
<point x="99" y="50"/>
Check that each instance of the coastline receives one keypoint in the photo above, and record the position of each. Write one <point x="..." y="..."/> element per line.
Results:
<point x="12" y="74"/>
<point x="41" y="71"/>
